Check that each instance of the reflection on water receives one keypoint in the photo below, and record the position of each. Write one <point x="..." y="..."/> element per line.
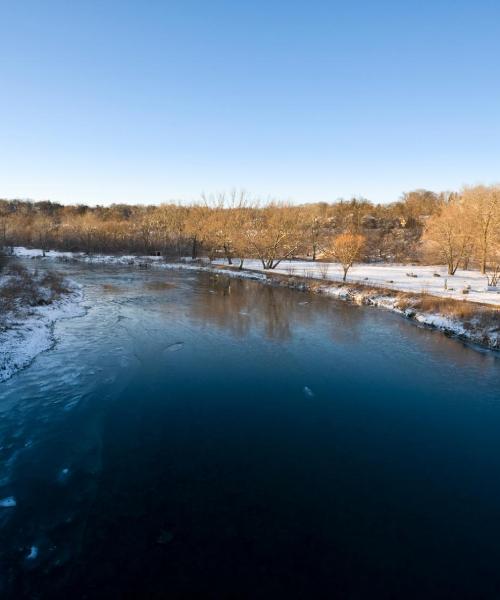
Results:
<point x="242" y="307"/>
<point x="195" y="436"/>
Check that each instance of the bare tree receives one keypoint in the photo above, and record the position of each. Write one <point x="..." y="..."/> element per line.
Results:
<point x="274" y="233"/>
<point x="493" y="266"/>
<point x="482" y="211"/>
<point x="43" y="228"/>
<point x="449" y="235"/>
<point x="346" y="248"/>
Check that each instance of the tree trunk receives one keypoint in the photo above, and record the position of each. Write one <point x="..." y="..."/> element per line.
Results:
<point x="483" y="264"/>
<point x="194" y="249"/>
<point x="228" y="255"/>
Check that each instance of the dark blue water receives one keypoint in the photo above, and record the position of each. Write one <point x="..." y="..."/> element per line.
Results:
<point x="195" y="438"/>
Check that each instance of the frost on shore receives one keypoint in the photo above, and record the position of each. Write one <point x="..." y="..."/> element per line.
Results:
<point x="27" y="330"/>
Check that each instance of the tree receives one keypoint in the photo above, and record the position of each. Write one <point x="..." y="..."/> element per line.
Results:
<point x="43" y="228"/>
<point x="195" y="227"/>
<point x="493" y="267"/>
<point x="172" y="222"/>
<point x="314" y="223"/>
<point x="274" y="233"/>
<point x="87" y="226"/>
<point x="448" y="234"/>
<point x="4" y="221"/>
<point x="482" y="211"/>
<point x="346" y="248"/>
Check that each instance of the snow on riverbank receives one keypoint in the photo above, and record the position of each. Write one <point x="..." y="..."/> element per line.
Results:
<point x="369" y="284"/>
<point x="30" y="330"/>
<point x="474" y="329"/>
<point x="404" y="278"/>
<point x="130" y="260"/>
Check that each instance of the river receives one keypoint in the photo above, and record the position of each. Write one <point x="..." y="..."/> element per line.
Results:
<point x="195" y="437"/>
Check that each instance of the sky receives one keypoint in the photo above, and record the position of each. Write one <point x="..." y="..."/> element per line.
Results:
<point x="147" y="102"/>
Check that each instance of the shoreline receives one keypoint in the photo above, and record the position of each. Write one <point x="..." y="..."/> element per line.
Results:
<point x="357" y="293"/>
<point x="401" y="302"/>
<point x="32" y="332"/>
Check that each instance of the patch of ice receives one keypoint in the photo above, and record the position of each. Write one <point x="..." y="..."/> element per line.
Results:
<point x="308" y="393"/>
<point x="71" y="405"/>
<point x="8" y="502"/>
<point x="174" y="347"/>
<point x="63" y="475"/>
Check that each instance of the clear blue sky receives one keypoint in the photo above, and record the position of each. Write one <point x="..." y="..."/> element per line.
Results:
<point x="120" y="101"/>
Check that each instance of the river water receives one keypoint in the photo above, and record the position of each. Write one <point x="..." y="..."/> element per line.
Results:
<point x="195" y="437"/>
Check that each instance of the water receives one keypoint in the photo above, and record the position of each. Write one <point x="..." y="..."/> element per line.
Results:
<point x="194" y="437"/>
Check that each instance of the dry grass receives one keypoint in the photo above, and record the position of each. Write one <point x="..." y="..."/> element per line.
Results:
<point x="55" y="283"/>
<point x="470" y="313"/>
<point x="3" y="261"/>
<point x="24" y="288"/>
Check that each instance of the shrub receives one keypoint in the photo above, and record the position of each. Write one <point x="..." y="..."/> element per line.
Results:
<point x="55" y="282"/>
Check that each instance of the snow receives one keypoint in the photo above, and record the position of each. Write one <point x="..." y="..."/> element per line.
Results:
<point x="30" y="334"/>
<point x="414" y="279"/>
<point x="393" y="276"/>
<point x="406" y="278"/>
<point x="489" y="337"/>
<point x="37" y="253"/>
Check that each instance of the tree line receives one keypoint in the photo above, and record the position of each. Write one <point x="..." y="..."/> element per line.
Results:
<point x="461" y="229"/>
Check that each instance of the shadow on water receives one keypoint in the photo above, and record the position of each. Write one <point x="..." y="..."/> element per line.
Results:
<point x="196" y="436"/>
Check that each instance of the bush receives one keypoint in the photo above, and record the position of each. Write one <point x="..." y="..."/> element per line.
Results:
<point x="3" y="261"/>
<point x="55" y="282"/>
<point x="24" y="288"/>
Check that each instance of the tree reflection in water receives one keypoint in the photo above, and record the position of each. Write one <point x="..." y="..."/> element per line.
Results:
<point x="241" y="306"/>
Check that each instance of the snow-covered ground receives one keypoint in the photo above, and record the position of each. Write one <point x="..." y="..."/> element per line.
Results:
<point x="30" y="330"/>
<point x="185" y="264"/>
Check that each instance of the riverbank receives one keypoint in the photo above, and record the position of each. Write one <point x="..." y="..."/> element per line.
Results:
<point x="30" y="304"/>
<point x="472" y="322"/>
<point x="467" y="319"/>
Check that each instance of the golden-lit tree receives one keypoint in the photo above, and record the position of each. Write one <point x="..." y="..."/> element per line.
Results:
<point x="481" y="205"/>
<point x="274" y="233"/>
<point x="346" y="248"/>
<point x="449" y="236"/>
